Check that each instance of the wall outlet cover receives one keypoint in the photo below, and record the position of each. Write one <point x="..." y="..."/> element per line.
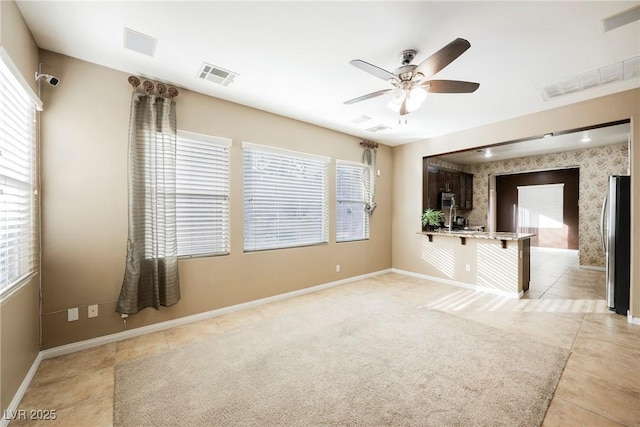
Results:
<point x="92" y="311"/>
<point x="72" y="314"/>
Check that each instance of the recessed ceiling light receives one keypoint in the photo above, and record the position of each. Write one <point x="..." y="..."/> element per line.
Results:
<point x="547" y="135"/>
<point x="139" y="42"/>
<point x="488" y="153"/>
<point x="585" y="139"/>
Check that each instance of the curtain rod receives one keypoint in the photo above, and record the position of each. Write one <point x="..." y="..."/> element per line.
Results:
<point x="369" y="144"/>
<point x="161" y="88"/>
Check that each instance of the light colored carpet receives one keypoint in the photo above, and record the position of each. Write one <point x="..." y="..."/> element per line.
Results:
<point x="365" y="359"/>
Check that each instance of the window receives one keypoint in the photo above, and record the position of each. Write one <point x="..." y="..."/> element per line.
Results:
<point x="285" y="198"/>
<point x="202" y="194"/>
<point x="540" y="206"/>
<point x="18" y="195"/>
<point x="352" y="184"/>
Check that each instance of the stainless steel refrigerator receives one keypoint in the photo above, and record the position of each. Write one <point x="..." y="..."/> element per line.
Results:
<point x="615" y="230"/>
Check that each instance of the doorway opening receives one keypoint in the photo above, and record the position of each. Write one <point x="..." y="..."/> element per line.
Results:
<point x="544" y="203"/>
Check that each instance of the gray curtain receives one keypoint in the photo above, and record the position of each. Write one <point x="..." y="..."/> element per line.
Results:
<point x="151" y="275"/>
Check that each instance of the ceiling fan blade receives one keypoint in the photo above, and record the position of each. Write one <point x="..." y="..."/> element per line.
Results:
<point x="442" y="58"/>
<point x="368" y="96"/>
<point x="449" y="86"/>
<point x="373" y="70"/>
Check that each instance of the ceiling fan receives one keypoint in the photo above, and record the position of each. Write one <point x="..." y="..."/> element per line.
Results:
<point x="409" y="82"/>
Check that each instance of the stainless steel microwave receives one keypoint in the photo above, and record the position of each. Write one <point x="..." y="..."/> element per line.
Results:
<point x="447" y="199"/>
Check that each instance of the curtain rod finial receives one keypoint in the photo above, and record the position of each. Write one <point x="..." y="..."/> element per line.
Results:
<point x="148" y="86"/>
<point x="134" y="81"/>
<point x="369" y="144"/>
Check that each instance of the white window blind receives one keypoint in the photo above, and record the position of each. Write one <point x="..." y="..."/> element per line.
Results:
<point x="540" y="206"/>
<point x="202" y="194"/>
<point x="285" y="198"/>
<point x="352" y="184"/>
<point x="18" y="196"/>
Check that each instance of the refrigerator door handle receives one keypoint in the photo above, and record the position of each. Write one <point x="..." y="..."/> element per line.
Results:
<point x="602" y="222"/>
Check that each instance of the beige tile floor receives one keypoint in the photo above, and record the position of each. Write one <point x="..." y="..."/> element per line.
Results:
<point x="565" y="306"/>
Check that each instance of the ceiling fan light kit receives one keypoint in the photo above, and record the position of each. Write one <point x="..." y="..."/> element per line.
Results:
<point x="410" y="87"/>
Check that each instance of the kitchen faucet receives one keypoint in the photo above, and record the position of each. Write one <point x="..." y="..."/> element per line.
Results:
<point x="452" y="209"/>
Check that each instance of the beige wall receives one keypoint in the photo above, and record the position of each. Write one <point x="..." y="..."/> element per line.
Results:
<point x="407" y="167"/>
<point x="20" y="335"/>
<point x="17" y="40"/>
<point x="85" y="126"/>
<point x="19" y="312"/>
<point x="596" y="164"/>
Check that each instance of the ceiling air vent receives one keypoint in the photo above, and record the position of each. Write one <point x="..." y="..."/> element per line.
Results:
<point x="360" y="119"/>
<point x="612" y="73"/>
<point x="139" y="42"/>
<point x="216" y="74"/>
<point x="378" y="128"/>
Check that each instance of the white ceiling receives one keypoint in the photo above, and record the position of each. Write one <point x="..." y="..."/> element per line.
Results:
<point x="293" y="57"/>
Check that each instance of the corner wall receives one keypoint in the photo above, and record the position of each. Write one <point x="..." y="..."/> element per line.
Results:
<point x="407" y="167"/>
<point x="85" y="130"/>
<point x="20" y="311"/>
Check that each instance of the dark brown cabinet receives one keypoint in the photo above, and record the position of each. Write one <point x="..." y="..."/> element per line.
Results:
<point x="437" y="180"/>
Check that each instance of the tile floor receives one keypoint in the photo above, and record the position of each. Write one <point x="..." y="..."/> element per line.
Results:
<point x="565" y="306"/>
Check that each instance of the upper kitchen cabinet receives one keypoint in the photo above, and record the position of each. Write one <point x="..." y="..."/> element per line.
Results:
<point x="466" y="191"/>
<point x="437" y="180"/>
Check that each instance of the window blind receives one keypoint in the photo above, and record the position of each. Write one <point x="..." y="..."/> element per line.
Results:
<point x="202" y="194"/>
<point x="352" y="184"/>
<point x="540" y="206"/>
<point x="18" y="196"/>
<point x="285" y="198"/>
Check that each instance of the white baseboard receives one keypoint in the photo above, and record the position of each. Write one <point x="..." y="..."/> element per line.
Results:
<point x="633" y="320"/>
<point x="459" y="284"/>
<point x="15" y="402"/>
<point x="119" y="336"/>
<point x="592" y="267"/>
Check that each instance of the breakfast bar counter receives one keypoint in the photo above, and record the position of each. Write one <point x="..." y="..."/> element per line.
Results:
<point x="492" y="262"/>
<point x="479" y="234"/>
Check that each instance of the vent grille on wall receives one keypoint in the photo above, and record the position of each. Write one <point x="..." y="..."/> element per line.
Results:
<point x="612" y="73"/>
<point x="216" y="74"/>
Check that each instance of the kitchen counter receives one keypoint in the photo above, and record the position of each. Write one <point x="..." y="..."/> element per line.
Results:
<point x="479" y="234"/>
<point x="491" y="262"/>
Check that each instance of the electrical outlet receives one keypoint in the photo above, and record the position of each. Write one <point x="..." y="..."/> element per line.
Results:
<point x="72" y="314"/>
<point x="92" y="311"/>
<point x="337" y="268"/>
<point x="467" y="267"/>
